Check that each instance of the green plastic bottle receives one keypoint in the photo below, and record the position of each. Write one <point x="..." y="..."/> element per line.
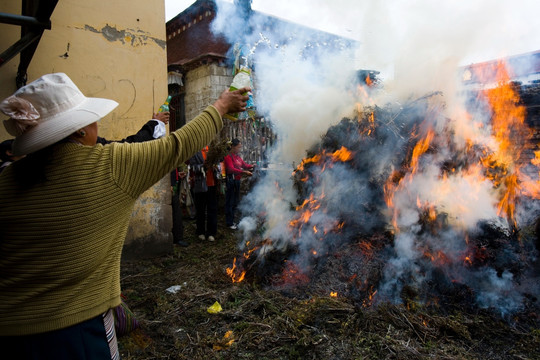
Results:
<point x="165" y="106"/>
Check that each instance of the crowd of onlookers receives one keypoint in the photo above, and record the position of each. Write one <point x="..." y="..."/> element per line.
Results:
<point x="197" y="186"/>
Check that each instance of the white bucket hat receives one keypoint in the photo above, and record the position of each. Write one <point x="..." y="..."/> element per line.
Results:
<point x="48" y="110"/>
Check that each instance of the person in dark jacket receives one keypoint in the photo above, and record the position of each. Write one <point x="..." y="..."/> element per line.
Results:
<point x="177" y="176"/>
<point x="204" y="187"/>
<point x="153" y="129"/>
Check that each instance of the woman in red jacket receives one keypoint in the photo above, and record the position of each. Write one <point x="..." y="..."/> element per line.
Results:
<point x="235" y="168"/>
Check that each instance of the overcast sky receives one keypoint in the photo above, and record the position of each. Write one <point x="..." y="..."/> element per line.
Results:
<point x="500" y="27"/>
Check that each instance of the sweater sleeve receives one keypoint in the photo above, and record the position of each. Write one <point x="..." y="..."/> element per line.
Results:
<point x="137" y="166"/>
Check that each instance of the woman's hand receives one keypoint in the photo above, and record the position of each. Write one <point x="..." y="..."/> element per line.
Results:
<point x="232" y="101"/>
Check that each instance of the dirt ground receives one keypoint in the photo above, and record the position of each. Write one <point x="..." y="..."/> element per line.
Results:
<point x="260" y="323"/>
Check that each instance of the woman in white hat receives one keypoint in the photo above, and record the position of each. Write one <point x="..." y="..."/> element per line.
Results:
<point x="64" y="215"/>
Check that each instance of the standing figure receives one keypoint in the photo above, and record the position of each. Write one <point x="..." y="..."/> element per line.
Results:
<point x="177" y="176"/>
<point x="204" y="186"/>
<point x="235" y="167"/>
<point x="65" y="212"/>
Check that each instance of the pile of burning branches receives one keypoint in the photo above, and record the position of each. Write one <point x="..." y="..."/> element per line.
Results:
<point x="399" y="204"/>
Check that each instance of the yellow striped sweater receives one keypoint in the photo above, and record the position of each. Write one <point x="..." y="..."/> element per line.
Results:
<point x="61" y="240"/>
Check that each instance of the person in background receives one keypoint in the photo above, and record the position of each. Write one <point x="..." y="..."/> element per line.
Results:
<point x="6" y="155"/>
<point x="177" y="176"/>
<point x="205" y="195"/>
<point x="65" y="212"/>
<point x="153" y="129"/>
<point x="235" y="168"/>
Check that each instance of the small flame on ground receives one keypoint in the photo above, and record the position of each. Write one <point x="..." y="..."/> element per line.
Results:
<point x="236" y="275"/>
<point x="369" y="300"/>
<point x="236" y="272"/>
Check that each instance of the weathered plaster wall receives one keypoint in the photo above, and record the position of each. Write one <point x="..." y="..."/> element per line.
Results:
<point x="111" y="49"/>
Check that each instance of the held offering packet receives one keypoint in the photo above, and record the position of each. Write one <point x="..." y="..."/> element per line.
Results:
<point x="240" y="80"/>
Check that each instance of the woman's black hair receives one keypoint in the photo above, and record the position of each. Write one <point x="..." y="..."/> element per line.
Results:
<point x="5" y="146"/>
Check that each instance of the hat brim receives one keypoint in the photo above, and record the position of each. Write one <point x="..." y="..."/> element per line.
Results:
<point x="58" y="127"/>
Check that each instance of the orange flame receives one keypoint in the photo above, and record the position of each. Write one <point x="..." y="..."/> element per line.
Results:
<point x="342" y="155"/>
<point x="314" y="159"/>
<point x="233" y="273"/>
<point x="333" y="294"/>
<point x="369" y="300"/>
<point x="369" y="82"/>
<point x="511" y="136"/>
<point x="421" y="147"/>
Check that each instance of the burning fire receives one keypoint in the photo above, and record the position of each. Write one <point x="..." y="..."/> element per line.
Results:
<point x="234" y="274"/>
<point x="511" y="136"/>
<point x="424" y="193"/>
<point x="500" y="161"/>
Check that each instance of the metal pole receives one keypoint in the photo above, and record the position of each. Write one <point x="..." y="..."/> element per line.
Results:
<point x="23" y="21"/>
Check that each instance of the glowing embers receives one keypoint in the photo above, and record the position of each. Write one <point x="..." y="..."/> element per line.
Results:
<point x="292" y="276"/>
<point x="368" y="301"/>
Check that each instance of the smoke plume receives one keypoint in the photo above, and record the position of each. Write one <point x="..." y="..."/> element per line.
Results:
<point x="306" y="82"/>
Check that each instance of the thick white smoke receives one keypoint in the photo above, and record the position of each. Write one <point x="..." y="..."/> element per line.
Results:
<point x="304" y="85"/>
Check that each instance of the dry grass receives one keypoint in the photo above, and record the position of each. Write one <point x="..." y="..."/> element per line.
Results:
<point x="261" y="323"/>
